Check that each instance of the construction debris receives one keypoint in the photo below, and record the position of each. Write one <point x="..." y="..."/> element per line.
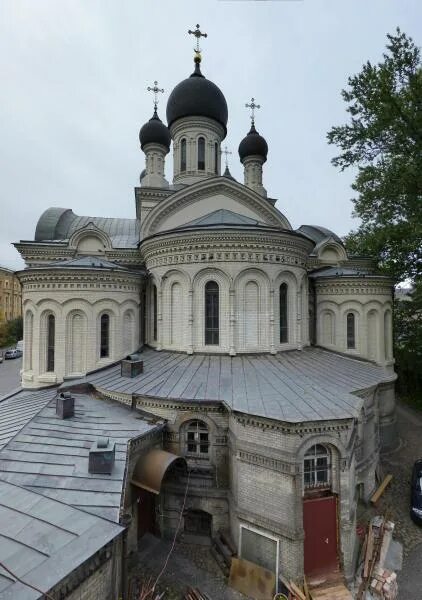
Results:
<point x="381" y="489"/>
<point x="375" y="581"/>
<point x="195" y="594"/>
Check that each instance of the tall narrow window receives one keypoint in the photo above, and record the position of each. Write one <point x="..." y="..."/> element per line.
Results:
<point x="316" y="467"/>
<point x="212" y="325"/>
<point x="284" y="327"/>
<point x="51" y="335"/>
<point x="154" y="307"/>
<point x="216" y="158"/>
<point x="104" y="336"/>
<point x="197" y="439"/>
<point x="201" y="154"/>
<point x="183" y="155"/>
<point x="351" y="335"/>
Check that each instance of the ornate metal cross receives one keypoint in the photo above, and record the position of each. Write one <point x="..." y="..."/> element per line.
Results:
<point x="253" y="106"/>
<point x="226" y="152"/>
<point x="156" y="90"/>
<point x="198" y="34"/>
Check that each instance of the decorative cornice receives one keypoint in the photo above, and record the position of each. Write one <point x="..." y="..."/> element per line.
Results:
<point x="36" y="280"/>
<point x="227" y="246"/>
<point x="372" y="286"/>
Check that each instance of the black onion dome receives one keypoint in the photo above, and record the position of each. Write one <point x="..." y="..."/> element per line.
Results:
<point x="253" y="145"/>
<point x="197" y="96"/>
<point x="155" y="132"/>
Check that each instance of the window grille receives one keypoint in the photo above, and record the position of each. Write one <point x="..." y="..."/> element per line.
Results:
<point x="155" y="305"/>
<point x="317" y="467"/>
<point x="197" y="439"/>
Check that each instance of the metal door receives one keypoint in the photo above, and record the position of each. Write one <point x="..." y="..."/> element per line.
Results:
<point x="320" y="525"/>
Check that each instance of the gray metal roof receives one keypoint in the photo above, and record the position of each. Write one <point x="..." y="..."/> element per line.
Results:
<point x="221" y="216"/>
<point x="17" y="410"/>
<point x="50" y="456"/>
<point x="43" y="540"/>
<point x="84" y="262"/>
<point x="318" y="234"/>
<point x="60" y="223"/>
<point x="297" y="386"/>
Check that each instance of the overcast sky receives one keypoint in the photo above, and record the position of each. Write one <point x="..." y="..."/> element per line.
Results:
<point x="73" y="77"/>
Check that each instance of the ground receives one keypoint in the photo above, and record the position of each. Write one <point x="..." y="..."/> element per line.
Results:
<point x="396" y="500"/>
<point x="188" y="566"/>
<point x="9" y="374"/>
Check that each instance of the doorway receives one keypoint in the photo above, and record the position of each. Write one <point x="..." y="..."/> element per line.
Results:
<point x="146" y="513"/>
<point x="198" y="522"/>
<point x="320" y="526"/>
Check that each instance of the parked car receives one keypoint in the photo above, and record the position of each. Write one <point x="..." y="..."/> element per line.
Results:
<point x="1" y="358"/>
<point x="14" y="353"/>
<point x="416" y="493"/>
<point x="19" y="345"/>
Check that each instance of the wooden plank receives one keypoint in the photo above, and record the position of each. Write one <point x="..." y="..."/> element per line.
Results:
<point x="297" y="592"/>
<point x="306" y="589"/>
<point x="369" y="551"/>
<point x="381" y="489"/>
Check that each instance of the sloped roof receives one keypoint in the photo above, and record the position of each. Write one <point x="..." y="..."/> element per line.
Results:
<point x="318" y="234"/>
<point x="84" y="262"/>
<point x="43" y="540"/>
<point x="60" y="223"/>
<point x="289" y="386"/>
<point x="50" y="455"/>
<point x="222" y="216"/>
<point x="342" y="272"/>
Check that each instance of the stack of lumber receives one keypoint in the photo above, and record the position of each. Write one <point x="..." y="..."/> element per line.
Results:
<point x="223" y="550"/>
<point x="334" y="591"/>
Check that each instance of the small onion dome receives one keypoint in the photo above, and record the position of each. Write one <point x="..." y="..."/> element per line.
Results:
<point x="253" y="145"/>
<point x="197" y="96"/>
<point x="155" y="132"/>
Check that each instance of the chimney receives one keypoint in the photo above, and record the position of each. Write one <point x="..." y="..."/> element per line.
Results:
<point x="101" y="456"/>
<point x="131" y="366"/>
<point x="65" y="405"/>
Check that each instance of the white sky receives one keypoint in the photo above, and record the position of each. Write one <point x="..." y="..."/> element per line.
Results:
<point x="73" y="77"/>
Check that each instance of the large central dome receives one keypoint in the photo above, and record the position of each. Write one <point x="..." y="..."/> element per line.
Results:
<point x="197" y="96"/>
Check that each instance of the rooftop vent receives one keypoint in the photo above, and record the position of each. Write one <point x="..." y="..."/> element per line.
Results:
<point x="65" y="405"/>
<point x="101" y="456"/>
<point x="132" y="366"/>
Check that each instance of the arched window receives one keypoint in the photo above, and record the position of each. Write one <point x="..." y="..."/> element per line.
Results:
<point x="328" y="328"/>
<point x="51" y="339"/>
<point x="155" y="316"/>
<point x="350" y="333"/>
<point x="201" y="154"/>
<point x="104" y="336"/>
<point x="284" y="327"/>
<point x="197" y="439"/>
<point x="212" y="325"/>
<point x="216" y="158"/>
<point x="317" y="467"/>
<point x="387" y="335"/>
<point x="183" y="155"/>
<point x="28" y="339"/>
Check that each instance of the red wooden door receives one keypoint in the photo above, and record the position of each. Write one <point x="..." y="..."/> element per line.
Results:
<point x="146" y="513"/>
<point x="320" y="525"/>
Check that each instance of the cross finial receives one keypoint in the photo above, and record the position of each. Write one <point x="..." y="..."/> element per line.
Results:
<point x="253" y="106"/>
<point x="198" y="34"/>
<point x="226" y="152"/>
<point x="156" y="90"/>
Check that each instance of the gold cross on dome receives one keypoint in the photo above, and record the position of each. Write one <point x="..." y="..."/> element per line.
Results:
<point x="198" y="34"/>
<point x="253" y="106"/>
<point x="226" y="152"/>
<point x="156" y="90"/>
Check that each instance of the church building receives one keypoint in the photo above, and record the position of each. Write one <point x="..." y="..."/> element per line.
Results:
<point x="264" y="352"/>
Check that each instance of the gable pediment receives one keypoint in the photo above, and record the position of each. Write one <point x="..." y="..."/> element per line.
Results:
<point x="211" y="196"/>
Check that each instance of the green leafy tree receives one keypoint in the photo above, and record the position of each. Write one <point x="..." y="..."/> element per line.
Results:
<point x="383" y="140"/>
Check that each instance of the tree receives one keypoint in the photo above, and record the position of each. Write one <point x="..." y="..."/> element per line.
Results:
<point x="383" y="140"/>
